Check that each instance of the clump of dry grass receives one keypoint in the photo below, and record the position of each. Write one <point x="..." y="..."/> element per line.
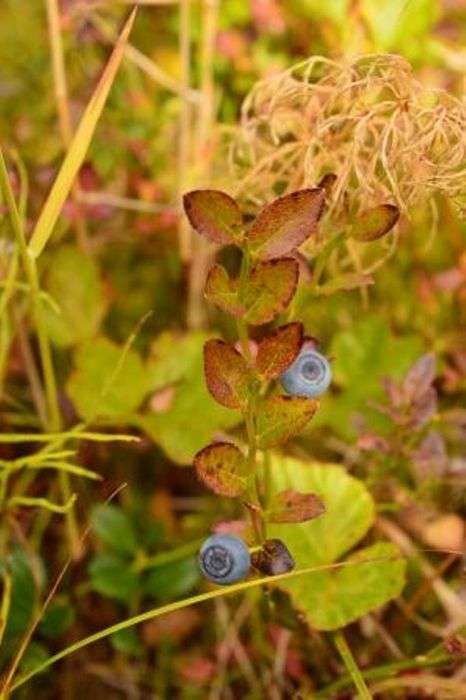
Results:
<point x="386" y="136"/>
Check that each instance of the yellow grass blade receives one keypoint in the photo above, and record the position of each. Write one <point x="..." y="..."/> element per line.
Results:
<point x="78" y="146"/>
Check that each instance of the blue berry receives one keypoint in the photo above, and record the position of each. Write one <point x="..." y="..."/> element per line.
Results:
<point x="224" y="559"/>
<point x="309" y="375"/>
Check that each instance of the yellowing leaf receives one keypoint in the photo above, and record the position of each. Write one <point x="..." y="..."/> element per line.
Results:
<point x="375" y="223"/>
<point x="332" y="599"/>
<point x="278" y="350"/>
<point x="228" y="376"/>
<point x="280" y="418"/>
<point x="283" y="225"/>
<point x="213" y="214"/>
<point x="223" y="468"/>
<point x="269" y="289"/>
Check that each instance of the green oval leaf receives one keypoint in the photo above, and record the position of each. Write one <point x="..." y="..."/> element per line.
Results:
<point x="213" y="214"/>
<point x="283" y="225"/>
<point x="223" y="468"/>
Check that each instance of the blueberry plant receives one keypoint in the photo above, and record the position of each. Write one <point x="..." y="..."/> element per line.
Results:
<point x="250" y="376"/>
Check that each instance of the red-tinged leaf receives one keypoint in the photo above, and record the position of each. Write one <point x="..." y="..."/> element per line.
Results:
<point x="375" y="223"/>
<point x="419" y="377"/>
<point x="269" y="289"/>
<point x="222" y="291"/>
<point x="327" y="184"/>
<point x="228" y="377"/>
<point x="285" y="224"/>
<point x="277" y="351"/>
<point x="280" y="418"/>
<point x="213" y="214"/>
<point x="346" y="282"/>
<point x="223" y="468"/>
<point x="294" y="507"/>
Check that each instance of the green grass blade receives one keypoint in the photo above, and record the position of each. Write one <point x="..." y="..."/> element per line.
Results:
<point x="66" y="435"/>
<point x="78" y="147"/>
<point x="171" y="607"/>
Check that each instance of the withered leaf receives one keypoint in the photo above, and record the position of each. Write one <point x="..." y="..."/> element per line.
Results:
<point x="223" y="291"/>
<point x="228" y="376"/>
<point x="327" y="182"/>
<point x="375" y="223"/>
<point x="213" y="214"/>
<point x="280" y="418"/>
<point x="273" y="558"/>
<point x="293" y="507"/>
<point x="223" y="468"/>
<point x="269" y="289"/>
<point x="283" y="225"/>
<point x="277" y="351"/>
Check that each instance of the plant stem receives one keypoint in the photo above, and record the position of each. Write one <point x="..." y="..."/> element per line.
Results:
<point x="53" y="411"/>
<point x="351" y="666"/>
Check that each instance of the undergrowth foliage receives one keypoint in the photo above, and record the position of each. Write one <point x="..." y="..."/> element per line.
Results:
<point x="245" y="375"/>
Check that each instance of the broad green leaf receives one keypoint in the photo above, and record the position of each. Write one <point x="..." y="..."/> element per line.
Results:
<point x="332" y="599"/>
<point x="227" y="374"/>
<point x="115" y="529"/>
<point x="269" y="289"/>
<point x="127" y="642"/>
<point x="23" y="592"/>
<point x="280" y="418"/>
<point x="78" y="147"/>
<point x="193" y="417"/>
<point x="213" y="214"/>
<point x="35" y="654"/>
<point x="283" y="225"/>
<point x="363" y="355"/>
<point x="222" y="291"/>
<point x="57" y="619"/>
<point x="111" y="576"/>
<point x="107" y="381"/>
<point x="278" y="350"/>
<point x="375" y="223"/>
<point x="223" y="468"/>
<point x="291" y="506"/>
<point x="72" y="279"/>
<point x="172" y="580"/>
<point x="349" y="510"/>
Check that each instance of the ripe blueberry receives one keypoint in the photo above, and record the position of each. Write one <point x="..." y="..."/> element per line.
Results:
<point x="224" y="559"/>
<point x="309" y="375"/>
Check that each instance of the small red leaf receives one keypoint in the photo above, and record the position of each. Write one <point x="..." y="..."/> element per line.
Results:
<point x="222" y="291"/>
<point x="228" y="377"/>
<point x="293" y="507"/>
<point x="375" y="223"/>
<point x="269" y="289"/>
<point x="213" y="214"/>
<point x="280" y="418"/>
<point x="420" y="377"/>
<point x="277" y="351"/>
<point x="222" y="468"/>
<point x="284" y="225"/>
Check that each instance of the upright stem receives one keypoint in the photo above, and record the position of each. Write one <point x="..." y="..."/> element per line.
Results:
<point x="53" y="411"/>
<point x="351" y="666"/>
<point x="184" y="125"/>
